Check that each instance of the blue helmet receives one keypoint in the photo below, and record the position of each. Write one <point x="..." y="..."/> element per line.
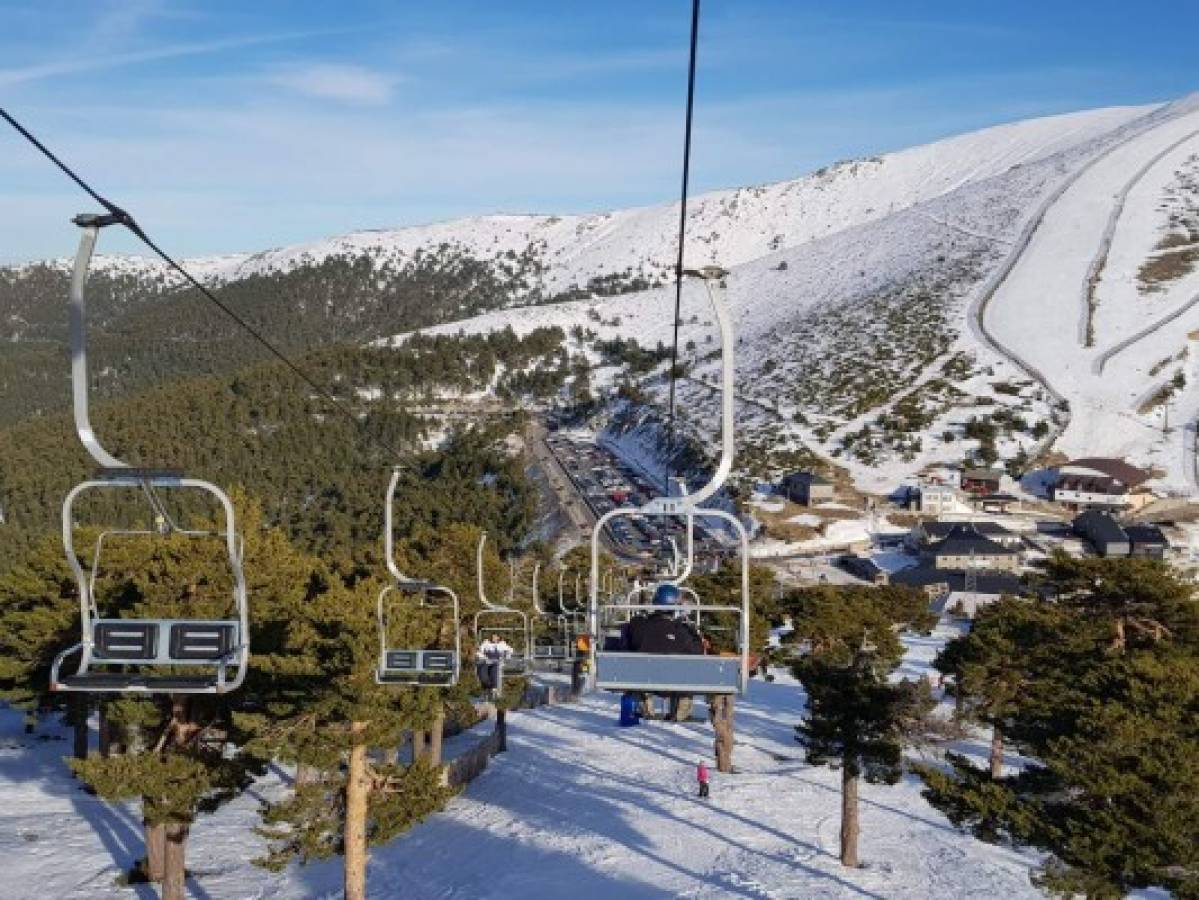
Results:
<point x="667" y="595"/>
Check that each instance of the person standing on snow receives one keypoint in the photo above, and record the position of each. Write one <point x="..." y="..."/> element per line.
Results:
<point x="490" y="656"/>
<point x="702" y="776"/>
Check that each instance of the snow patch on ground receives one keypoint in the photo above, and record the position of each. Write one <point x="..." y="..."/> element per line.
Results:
<point x="578" y="807"/>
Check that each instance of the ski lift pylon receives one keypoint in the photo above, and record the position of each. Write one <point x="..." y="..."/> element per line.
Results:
<point x="154" y="648"/>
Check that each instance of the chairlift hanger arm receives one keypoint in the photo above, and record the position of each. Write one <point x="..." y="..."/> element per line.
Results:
<point x="91" y="225"/>
<point x="713" y="278"/>
<point x="487" y="604"/>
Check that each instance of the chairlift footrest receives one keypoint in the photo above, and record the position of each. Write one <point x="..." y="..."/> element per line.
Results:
<point x="122" y="681"/>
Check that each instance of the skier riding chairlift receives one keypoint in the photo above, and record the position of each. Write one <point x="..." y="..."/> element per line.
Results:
<point x="489" y="661"/>
<point x="663" y="630"/>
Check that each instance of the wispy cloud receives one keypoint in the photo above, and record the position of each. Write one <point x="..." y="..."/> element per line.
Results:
<point x="73" y="66"/>
<point x="351" y="84"/>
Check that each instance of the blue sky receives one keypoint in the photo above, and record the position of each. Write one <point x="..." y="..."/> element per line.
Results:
<point x="233" y="125"/>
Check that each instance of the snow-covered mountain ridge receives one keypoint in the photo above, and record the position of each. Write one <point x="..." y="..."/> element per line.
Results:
<point x="972" y="317"/>
<point x="733" y="226"/>
<point x="891" y="312"/>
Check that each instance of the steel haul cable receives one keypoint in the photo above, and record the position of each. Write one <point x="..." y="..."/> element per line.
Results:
<point x="678" y="270"/>
<point x="128" y="221"/>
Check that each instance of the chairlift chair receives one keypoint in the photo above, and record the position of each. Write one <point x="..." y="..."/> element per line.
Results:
<point x="142" y="655"/>
<point x="558" y="647"/>
<point x="679" y="674"/>
<point x="439" y="666"/>
<point x="511" y="624"/>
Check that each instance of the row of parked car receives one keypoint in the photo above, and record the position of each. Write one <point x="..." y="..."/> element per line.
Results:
<point x="606" y="483"/>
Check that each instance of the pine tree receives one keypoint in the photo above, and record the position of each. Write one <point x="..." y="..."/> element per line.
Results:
<point x="1108" y="713"/>
<point x="858" y="720"/>
<point x="994" y="662"/>
<point x="325" y="711"/>
<point x="39" y="617"/>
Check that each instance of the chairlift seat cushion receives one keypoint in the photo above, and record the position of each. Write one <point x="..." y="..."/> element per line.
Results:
<point x="201" y="640"/>
<point x="404" y="660"/>
<point x="163" y="642"/>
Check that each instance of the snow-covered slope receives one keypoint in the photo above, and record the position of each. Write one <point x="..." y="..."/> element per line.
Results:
<point x="579" y="807"/>
<point x="888" y="342"/>
<point x="975" y="296"/>
<point x="732" y="227"/>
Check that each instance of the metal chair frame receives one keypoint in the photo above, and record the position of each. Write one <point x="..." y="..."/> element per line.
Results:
<point x="220" y="644"/>
<point x="522" y="657"/>
<point x="660" y="673"/>
<point x="414" y="667"/>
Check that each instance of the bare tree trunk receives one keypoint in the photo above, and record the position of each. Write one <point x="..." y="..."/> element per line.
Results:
<point x="850" y="827"/>
<point x="720" y="711"/>
<point x="357" y="792"/>
<point x="996" y="753"/>
<point x="437" y="736"/>
<point x="420" y="744"/>
<point x="77" y="711"/>
<point x="501" y="729"/>
<point x="174" y="873"/>
<point x="156" y="849"/>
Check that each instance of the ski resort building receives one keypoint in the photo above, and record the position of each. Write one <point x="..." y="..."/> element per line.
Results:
<point x="807" y="488"/>
<point x="925" y="534"/>
<point x="1148" y="541"/>
<point x="1109" y="538"/>
<point x="865" y="568"/>
<point x="964" y="547"/>
<point x="963" y="593"/>
<point x="937" y="499"/>
<point x="981" y="482"/>
<point x="1100" y="484"/>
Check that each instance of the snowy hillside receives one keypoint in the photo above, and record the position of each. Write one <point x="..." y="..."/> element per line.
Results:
<point x="1035" y="302"/>
<point x="578" y="807"/>
<point x="733" y="227"/>
<point x="995" y="296"/>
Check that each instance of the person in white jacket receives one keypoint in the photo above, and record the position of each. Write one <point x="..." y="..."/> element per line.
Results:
<point x="491" y="655"/>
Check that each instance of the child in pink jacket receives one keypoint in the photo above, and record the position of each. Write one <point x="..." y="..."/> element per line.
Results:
<point x="701" y="775"/>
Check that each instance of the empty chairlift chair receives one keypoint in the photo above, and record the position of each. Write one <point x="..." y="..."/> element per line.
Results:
<point x="175" y="655"/>
<point x="399" y="662"/>
<point x="660" y="673"/>
<point x="557" y="645"/>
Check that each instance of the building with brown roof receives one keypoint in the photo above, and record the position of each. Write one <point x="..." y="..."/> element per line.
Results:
<point x="1099" y="483"/>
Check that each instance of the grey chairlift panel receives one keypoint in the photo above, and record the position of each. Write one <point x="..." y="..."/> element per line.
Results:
<point x="418" y="667"/>
<point x="661" y="673"/>
<point x="552" y="652"/>
<point x="163" y="642"/>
